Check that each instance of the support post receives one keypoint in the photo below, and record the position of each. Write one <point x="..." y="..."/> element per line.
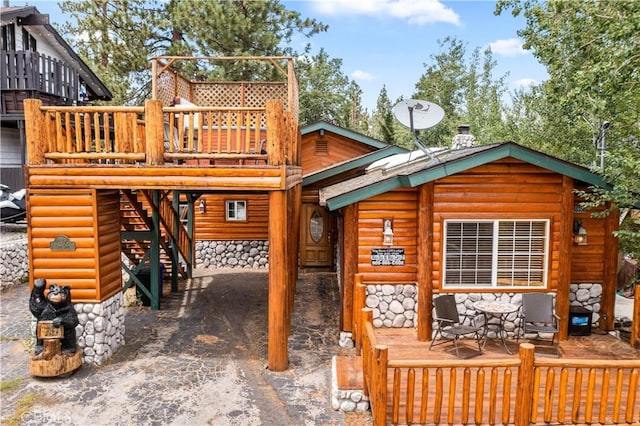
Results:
<point x="154" y="253"/>
<point x="350" y="265"/>
<point x="564" y="267"/>
<point x="524" y="391"/>
<point x="425" y="261"/>
<point x="35" y="132"/>
<point x="610" y="271"/>
<point x="175" y="253"/>
<point x="278" y="357"/>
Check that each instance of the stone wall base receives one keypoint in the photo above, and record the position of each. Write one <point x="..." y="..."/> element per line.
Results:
<point x="101" y="329"/>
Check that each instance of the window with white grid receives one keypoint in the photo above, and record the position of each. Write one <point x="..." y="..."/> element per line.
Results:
<point x="495" y="253"/>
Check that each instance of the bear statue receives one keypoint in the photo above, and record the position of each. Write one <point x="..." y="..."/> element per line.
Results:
<point x="56" y="306"/>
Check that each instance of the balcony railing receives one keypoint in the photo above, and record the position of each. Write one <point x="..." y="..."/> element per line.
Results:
<point x="32" y="71"/>
<point x="157" y="135"/>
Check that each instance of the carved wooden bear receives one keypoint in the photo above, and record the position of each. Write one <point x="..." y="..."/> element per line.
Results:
<point x="55" y="307"/>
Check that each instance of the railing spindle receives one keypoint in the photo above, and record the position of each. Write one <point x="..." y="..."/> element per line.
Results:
<point x="562" y="394"/>
<point x="453" y="376"/>
<point x="632" y="394"/>
<point x="411" y="389"/>
<point x="466" y="394"/>
<point x="479" y="401"/>
<point x="577" y="396"/>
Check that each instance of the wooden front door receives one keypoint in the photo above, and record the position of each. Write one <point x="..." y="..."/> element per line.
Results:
<point x="316" y="247"/>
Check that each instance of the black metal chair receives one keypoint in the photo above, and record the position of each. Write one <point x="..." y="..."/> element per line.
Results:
<point x="537" y="315"/>
<point x="451" y="324"/>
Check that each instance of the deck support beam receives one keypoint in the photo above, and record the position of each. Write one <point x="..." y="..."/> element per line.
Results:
<point x="279" y="315"/>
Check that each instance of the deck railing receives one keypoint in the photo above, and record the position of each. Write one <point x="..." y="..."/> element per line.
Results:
<point x="153" y="135"/>
<point x="518" y="391"/>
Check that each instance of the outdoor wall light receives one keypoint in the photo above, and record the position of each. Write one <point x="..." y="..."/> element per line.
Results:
<point x="387" y="233"/>
<point x="579" y="234"/>
<point x="202" y="206"/>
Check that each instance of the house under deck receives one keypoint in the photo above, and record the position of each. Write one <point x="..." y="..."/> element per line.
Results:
<point x="101" y="178"/>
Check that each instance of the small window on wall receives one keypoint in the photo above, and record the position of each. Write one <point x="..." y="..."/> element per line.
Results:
<point x="236" y="210"/>
<point x="496" y="253"/>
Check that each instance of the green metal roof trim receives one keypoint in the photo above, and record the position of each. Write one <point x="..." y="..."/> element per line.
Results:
<point x="351" y="164"/>
<point x="343" y="132"/>
<point x="440" y="170"/>
<point x="363" y="193"/>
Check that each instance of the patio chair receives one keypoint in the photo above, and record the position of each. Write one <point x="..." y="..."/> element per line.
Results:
<point x="537" y="315"/>
<point x="451" y="324"/>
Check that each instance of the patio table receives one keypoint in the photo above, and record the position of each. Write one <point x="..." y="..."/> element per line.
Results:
<point x="496" y="309"/>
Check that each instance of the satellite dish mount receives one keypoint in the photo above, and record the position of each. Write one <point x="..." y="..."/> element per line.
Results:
<point x="417" y="115"/>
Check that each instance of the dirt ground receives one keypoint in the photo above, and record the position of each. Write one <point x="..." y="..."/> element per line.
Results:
<point x="199" y="360"/>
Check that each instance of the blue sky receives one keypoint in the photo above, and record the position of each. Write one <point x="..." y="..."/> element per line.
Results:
<point x="387" y="42"/>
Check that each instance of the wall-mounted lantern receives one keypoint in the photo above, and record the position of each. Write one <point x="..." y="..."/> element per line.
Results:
<point x="579" y="234"/>
<point x="387" y="232"/>
<point x="202" y="206"/>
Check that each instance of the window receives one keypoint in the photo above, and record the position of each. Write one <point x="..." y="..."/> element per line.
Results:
<point x="236" y="210"/>
<point x="28" y="41"/>
<point x="495" y="253"/>
<point x="9" y="37"/>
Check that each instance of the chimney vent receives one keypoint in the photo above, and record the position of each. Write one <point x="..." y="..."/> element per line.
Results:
<point x="463" y="139"/>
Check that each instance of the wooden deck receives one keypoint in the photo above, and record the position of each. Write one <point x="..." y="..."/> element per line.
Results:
<point x="434" y="386"/>
<point x="403" y="344"/>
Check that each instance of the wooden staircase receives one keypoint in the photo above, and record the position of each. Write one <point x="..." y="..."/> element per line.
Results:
<point x="137" y="208"/>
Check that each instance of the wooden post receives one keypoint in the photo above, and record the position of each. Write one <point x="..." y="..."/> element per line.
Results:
<point x="564" y="266"/>
<point x="610" y="271"/>
<point x="425" y="261"/>
<point x="367" y="316"/>
<point x="36" y="145"/>
<point x="278" y="358"/>
<point x="350" y="265"/>
<point x="635" y="324"/>
<point x="154" y="130"/>
<point x="275" y="133"/>
<point x="524" y="391"/>
<point x="379" y="411"/>
<point x="358" y="304"/>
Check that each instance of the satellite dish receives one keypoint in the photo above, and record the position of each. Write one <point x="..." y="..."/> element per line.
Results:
<point x="417" y="114"/>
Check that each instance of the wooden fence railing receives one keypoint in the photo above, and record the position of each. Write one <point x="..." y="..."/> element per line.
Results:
<point x="516" y="391"/>
<point x="155" y="135"/>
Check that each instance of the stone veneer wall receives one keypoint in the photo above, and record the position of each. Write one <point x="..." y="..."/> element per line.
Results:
<point x="241" y="254"/>
<point x="397" y="305"/>
<point x="101" y="330"/>
<point x="393" y="305"/>
<point x="14" y="262"/>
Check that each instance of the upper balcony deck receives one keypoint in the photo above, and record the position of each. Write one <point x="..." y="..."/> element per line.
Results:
<point x="192" y="135"/>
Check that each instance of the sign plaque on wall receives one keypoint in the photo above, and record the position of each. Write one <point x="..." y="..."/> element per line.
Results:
<point x="62" y="243"/>
<point x="387" y="257"/>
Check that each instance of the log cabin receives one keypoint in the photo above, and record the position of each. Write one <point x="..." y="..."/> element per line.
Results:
<point x="36" y="63"/>
<point x="497" y="219"/>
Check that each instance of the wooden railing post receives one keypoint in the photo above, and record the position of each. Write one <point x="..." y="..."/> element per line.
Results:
<point x="366" y="315"/>
<point x="275" y="133"/>
<point x="524" y="391"/>
<point x="358" y="304"/>
<point x="154" y="131"/>
<point x="379" y="409"/>
<point x="34" y="131"/>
